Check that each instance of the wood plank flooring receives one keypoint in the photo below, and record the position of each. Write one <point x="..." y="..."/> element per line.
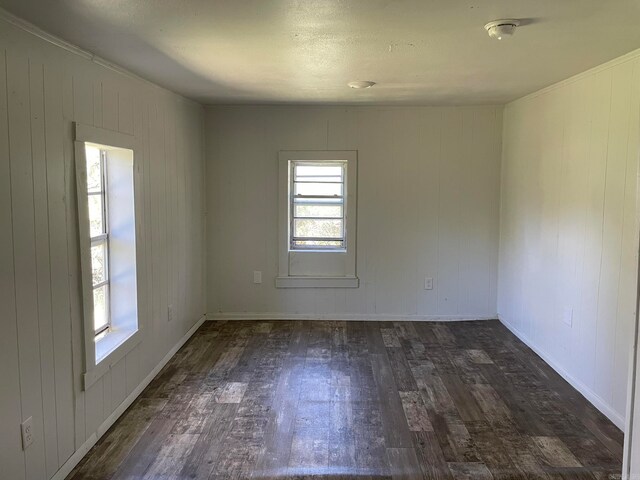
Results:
<point x="370" y="400"/>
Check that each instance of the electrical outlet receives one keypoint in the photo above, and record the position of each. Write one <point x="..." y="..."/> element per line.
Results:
<point x="428" y="283"/>
<point x="170" y="313"/>
<point x="257" y="276"/>
<point x="567" y="316"/>
<point x="27" y="432"/>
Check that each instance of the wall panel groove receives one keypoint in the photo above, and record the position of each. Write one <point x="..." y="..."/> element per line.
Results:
<point x="11" y="455"/>
<point x="428" y="205"/>
<point x="568" y="248"/>
<point x="43" y="90"/>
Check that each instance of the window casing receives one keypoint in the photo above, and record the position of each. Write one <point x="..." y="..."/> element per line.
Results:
<point x="105" y="177"/>
<point x="317" y="219"/>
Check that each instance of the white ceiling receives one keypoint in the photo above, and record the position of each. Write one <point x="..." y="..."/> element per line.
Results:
<point x="305" y="51"/>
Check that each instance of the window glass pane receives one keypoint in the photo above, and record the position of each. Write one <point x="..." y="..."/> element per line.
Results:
<point x="99" y="262"/>
<point x="94" y="172"/>
<point x="317" y="228"/>
<point x="100" y="307"/>
<point x="318" y="201"/>
<point x="323" y="178"/>
<point x="319" y="179"/>
<point x="318" y="244"/>
<point x="315" y="210"/>
<point x="96" y="223"/>
<point x="318" y="205"/>
<point x="323" y="189"/>
<point x="319" y="170"/>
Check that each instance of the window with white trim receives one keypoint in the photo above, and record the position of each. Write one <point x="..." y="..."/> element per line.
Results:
<point x="105" y="174"/>
<point x="317" y="210"/>
<point x="99" y="235"/>
<point x="317" y="219"/>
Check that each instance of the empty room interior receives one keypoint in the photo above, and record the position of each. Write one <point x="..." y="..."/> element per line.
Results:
<point x="319" y="239"/>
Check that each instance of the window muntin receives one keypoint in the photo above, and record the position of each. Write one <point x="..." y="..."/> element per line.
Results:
<point x="317" y="205"/>
<point x="99" y="236"/>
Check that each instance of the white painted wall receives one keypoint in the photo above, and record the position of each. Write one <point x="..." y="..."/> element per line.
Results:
<point x="428" y="205"/>
<point x="632" y="438"/>
<point x="429" y="196"/>
<point x="569" y="235"/>
<point x="43" y="89"/>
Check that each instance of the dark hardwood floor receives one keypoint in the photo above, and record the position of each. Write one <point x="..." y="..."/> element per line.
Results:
<point x="275" y="400"/>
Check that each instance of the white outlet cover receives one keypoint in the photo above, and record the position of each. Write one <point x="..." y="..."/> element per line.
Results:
<point x="257" y="276"/>
<point x="27" y="432"/>
<point x="567" y="316"/>
<point x="428" y="283"/>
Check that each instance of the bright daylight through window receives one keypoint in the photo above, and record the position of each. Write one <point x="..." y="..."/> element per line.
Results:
<point x="317" y="219"/>
<point x="105" y="176"/>
<point x="317" y="208"/>
<point x="99" y="233"/>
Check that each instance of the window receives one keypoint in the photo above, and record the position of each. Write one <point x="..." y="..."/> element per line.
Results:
<point x="106" y="223"/>
<point x="99" y="234"/>
<point x="317" y="225"/>
<point x="317" y="205"/>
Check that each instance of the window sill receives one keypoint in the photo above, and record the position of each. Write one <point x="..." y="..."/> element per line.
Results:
<point x="109" y="350"/>
<point x="317" y="250"/>
<point x="317" y="282"/>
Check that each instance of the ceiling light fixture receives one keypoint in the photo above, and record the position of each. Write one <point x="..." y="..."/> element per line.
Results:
<point x="501" y="28"/>
<point x="361" y="84"/>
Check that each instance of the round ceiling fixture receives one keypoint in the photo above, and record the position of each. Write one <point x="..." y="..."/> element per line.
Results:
<point x="361" y="84"/>
<point x="501" y="28"/>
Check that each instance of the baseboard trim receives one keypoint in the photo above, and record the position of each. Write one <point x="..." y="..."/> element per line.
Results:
<point x="375" y="317"/>
<point x="74" y="459"/>
<point x="586" y="392"/>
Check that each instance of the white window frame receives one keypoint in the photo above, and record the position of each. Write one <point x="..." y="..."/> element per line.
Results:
<point x="317" y="267"/>
<point x="103" y="238"/>
<point x="343" y="205"/>
<point x="102" y="351"/>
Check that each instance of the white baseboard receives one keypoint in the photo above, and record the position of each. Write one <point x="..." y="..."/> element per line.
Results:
<point x="589" y="394"/>
<point x="373" y="317"/>
<point x="70" y="464"/>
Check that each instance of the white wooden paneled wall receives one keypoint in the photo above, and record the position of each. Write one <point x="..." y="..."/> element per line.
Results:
<point x="569" y="235"/>
<point x="428" y="205"/>
<point x="43" y="89"/>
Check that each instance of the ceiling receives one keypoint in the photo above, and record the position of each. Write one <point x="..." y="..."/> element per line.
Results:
<point x="433" y="52"/>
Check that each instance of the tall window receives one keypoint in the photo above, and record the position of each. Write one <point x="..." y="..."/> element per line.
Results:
<point x="317" y="207"/>
<point x="105" y="178"/>
<point x="99" y="233"/>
